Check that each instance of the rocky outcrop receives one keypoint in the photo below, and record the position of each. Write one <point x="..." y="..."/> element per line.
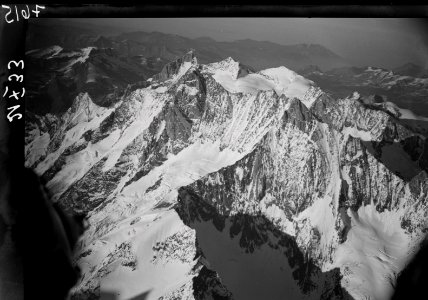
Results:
<point x="173" y="67"/>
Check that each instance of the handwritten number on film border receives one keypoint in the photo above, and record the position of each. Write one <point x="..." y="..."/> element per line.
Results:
<point x="16" y="64"/>
<point x="25" y="14"/>
<point x="12" y="114"/>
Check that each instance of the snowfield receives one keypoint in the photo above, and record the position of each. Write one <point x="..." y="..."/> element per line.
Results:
<point x="282" y="80"/>
<point x="376" y="250"/>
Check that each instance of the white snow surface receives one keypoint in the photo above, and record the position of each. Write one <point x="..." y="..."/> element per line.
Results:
<point x="190" y="164"/>
<point x="88" y="116"/>
<point x="282" y="80"/>
<point x="36" y="149"/>
<point x="375" y="251"/>
<point x="147" y="105"/>
<point x="190" y="90"/>
<point x="228" y="65"/>
<point x="155" y="279"/>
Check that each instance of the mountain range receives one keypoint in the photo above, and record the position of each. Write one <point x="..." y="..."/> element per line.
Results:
<point x="412" y="70"/>
<point x="221" y="173"/>
<point x="405" y="91"/>
<point x="218" y="180"/>
<point x="258" y="54"/>
<point x="140" y="55"/>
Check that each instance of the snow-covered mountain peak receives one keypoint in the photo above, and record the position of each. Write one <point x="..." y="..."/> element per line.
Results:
<point x="291" y="84"/>
<point x="281" y="80"/>
<point x="175" y="69"/>
<point x="227" y="66"/>
<point x="264" y="163"/>
<point x="83" y="109"/>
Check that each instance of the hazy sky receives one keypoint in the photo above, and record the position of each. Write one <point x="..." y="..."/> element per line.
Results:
<point x="378" y="42"/>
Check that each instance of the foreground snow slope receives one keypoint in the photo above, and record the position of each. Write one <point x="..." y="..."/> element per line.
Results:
<point x="265" y="163"/>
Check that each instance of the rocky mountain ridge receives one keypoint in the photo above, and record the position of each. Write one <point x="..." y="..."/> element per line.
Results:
<point x="214" y="177"/>
<point x="407" y="92"/>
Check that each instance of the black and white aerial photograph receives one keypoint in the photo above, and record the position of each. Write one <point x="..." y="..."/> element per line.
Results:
<point x="213" y="157"/>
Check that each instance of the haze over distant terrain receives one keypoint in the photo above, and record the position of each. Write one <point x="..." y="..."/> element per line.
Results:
<point x="386" y="42"/>
<point x="137" y="49"/>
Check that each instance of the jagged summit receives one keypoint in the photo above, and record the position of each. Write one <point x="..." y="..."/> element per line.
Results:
<point x="237" y="78"/>
<point x="174" y="68"/>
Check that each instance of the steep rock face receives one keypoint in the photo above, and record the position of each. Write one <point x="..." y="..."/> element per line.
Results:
<point x="173" y="67"/>
<point x="329" y="191"/>
<point x="313" y="177"/>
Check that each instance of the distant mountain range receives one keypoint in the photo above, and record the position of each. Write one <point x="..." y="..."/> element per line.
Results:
<point x="113" y="60"/>
<point x="54" y="76"/>
<point x="397" y="86"/>
<point x="125" y="60"/>
<point x="411" y="69"/>
<point x="258" y="54"/>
